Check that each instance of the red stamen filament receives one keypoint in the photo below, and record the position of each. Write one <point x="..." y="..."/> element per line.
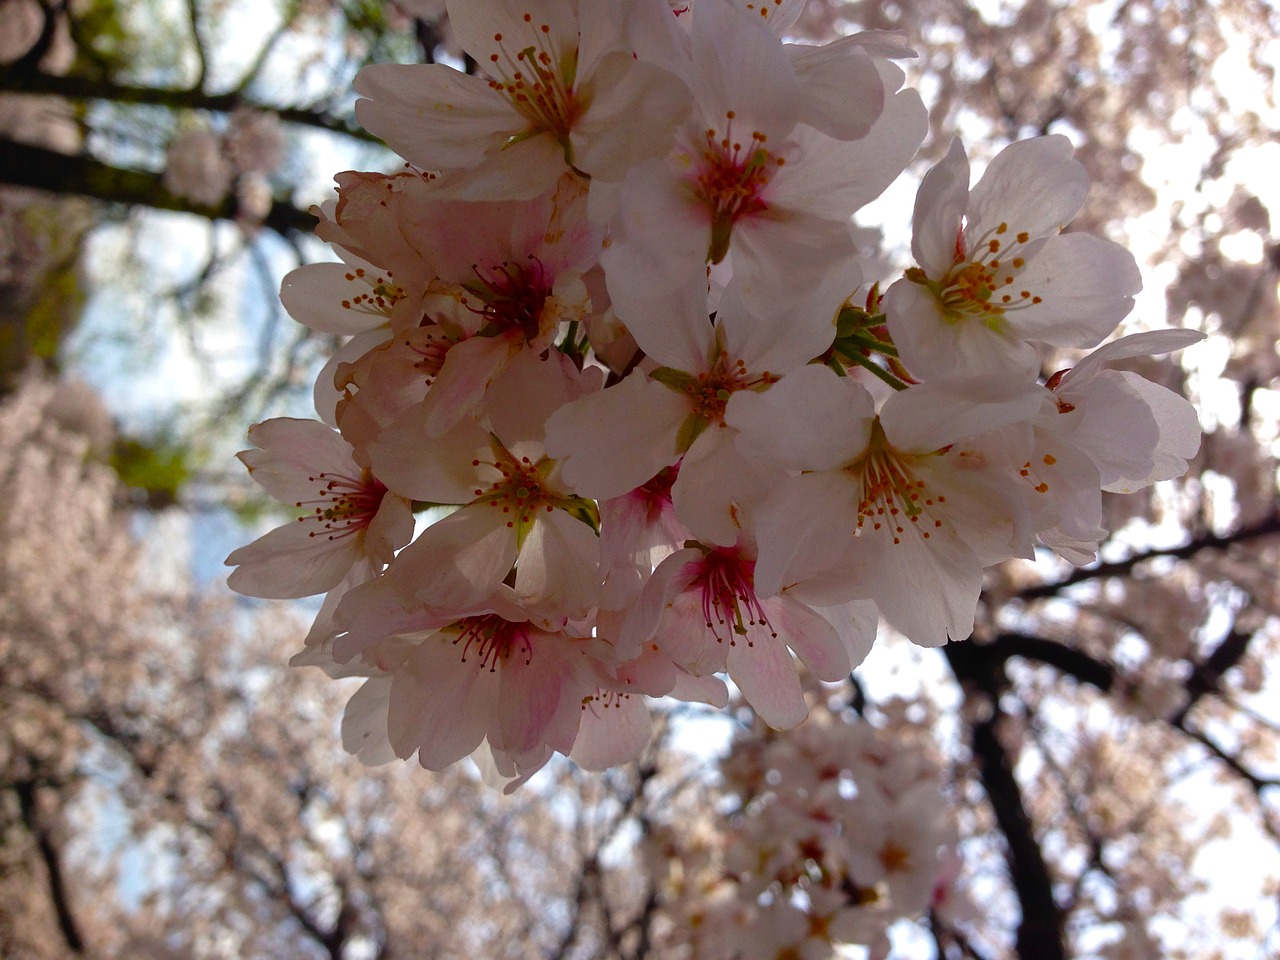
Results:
<point x="729" y="601"/>
<point x="494" y="638"/>
<point x="343" y="505"/>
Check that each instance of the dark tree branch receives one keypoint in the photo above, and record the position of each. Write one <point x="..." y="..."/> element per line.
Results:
<point x="1210" y="541"/>
<point x="73" y="87"/>
<point x="24" y="165"/>
<point x="1040" y="930"/>
<point x="1068" y="660"/>
<point x="1233" y="763"/>
<point x="67" y="925"/>
<point x="1206" y="675"/>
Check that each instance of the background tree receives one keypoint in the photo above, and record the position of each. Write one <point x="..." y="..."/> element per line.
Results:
<point x="1101" y="758"/>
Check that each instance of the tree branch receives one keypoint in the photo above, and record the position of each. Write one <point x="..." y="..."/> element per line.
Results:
<point x="1210" y="541"/>
<point x="67" y="925"/>
<point x="24" y="165"/>
<point x="73" y="87"/>
<point x="1040" y="931"/>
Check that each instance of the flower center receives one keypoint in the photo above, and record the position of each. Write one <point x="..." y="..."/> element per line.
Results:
<point x="730" y="181"/>
<point x="428" y="345"/>
<point x="493" y="639"/>
<point x="343" y="505"/>
<point x="518" y="491"/>
<point x="729" y="601"/>
<point x="537" y="79"/>
<point x="892" y="494"/>
<point x="377" y="293"/>
<point x="983" y="283"/>
<point x="894" y="858"/>
<point x="512" y="297"/>
<point x="710" y="391"/>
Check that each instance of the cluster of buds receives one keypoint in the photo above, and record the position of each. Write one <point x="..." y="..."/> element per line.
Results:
<point x="609" y="332"/>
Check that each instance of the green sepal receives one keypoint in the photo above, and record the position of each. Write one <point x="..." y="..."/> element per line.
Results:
<point x="689" y="431"/>
<point x="584" y="509"/>
<point x="677" y="380"/>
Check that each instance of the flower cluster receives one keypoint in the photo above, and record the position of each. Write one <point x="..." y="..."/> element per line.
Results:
<point x="203" y="166"/>
<point x="838" y="830"/>
<point x="609" y="330"/>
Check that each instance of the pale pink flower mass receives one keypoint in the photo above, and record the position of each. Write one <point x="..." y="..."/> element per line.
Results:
<point x="606" y="335"/>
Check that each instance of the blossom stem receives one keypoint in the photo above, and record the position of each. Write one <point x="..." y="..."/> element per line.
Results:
<point x="856" y="356"/>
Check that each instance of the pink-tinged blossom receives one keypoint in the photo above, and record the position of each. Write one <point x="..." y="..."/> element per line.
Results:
<point x="354" y="299"/>
<point x="564" y="92"/>
<point x="1136" y="432"/>
<point x="701" y="608"/>
<point x="515" y="507"/>
<point x="638" y="530"/>
<point x="994" y="272"/>
<point x="197" y="167"/>
<point x="485" y="676"/>
<point x="614" y="441"/>
<point x="350" y="517"/>
<point x="255" y="140"/>
<point x="908" y="506"/>
<point x="746" y="175"/>
<point x="897" y="850"/>
<point x="1106" y="429"/>
<point x="494" y="280"/>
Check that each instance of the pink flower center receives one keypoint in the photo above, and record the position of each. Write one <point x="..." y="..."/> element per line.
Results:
<point x="654" y="495"/>
<point x="729" y="601"/>
<point x="430" y="344"/>
<point x="491" y="638"/>
<point x="343" y="505"/>
<point x="512" y="297"/>
<point x="730" y="181"/>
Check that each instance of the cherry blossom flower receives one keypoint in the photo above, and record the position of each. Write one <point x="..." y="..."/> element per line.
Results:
<point x="350" y="517"/>
<point x="1106" y="429"/>
<point x="911" y="504"/>
<point x="515" y="506"/>
<point x="492" y="280"/>
<point x="197" y="167"/>
<point x="564" y="92"/>
<point x="702" y="609"/>
<point x="994" y="270"/>
<point x="614" y="441"/>
<point x="745" y="174"/>
<point x="1161" y="431"/>
<point x="488" y="675"/>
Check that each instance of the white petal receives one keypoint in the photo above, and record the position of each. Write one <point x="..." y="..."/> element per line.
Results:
<point x="1036" y="186"/>
<point x="364" y="723"/>
<point x="1086" y="284"/>
<point x="833" y="413"/>
<point x="613" y="441"/>
<point x="766" y="675"/>
<point x="288" y="562"/>
<point x="941" y="203"/>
